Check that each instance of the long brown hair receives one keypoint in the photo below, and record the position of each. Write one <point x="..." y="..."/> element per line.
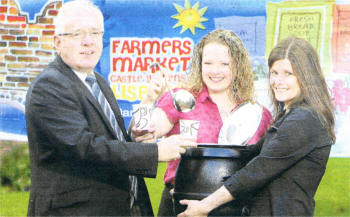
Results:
<point x="306" y="67"/>
<point x="243" y="79"/>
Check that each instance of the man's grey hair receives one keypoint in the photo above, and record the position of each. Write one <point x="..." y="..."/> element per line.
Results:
<point x="64" y="14"/>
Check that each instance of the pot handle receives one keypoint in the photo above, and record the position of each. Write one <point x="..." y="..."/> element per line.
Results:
<point x="213" y="145"/>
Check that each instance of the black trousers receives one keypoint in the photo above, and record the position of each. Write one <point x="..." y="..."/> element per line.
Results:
<point x="166" y="206"/>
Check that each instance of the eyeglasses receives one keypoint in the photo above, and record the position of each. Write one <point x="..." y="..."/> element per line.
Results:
<point x="80" y="35"/>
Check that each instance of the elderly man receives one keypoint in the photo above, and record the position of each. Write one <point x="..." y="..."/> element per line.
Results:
<point x="83" y="162"/>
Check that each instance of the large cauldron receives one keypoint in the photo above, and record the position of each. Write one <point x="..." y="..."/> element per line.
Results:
<point x="203" y="170"/>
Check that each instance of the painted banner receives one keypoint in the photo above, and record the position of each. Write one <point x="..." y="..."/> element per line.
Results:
<point x="138" y="33"/>
<point x="130" y="59"/>
<point x="310" y="20"/>
<point x="340" y="79"/>
<point x="341" y="39"/>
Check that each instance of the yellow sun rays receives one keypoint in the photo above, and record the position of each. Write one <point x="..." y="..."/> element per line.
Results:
<point x="189" y="17"/>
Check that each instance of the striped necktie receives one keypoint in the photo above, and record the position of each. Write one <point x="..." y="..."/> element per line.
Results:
<point x="96" y="91"/>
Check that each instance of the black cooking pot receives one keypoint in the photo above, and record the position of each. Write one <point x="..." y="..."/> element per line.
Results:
<point x="203" y="170"/>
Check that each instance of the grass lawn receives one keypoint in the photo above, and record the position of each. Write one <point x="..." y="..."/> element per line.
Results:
<point x="13" y="203"/>
<point x="332" y="197"/>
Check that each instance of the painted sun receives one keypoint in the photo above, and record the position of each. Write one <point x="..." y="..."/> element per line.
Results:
<point x="189" y="17"/>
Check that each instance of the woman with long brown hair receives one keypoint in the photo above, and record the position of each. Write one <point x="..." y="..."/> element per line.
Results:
<point x="294" y="152"/>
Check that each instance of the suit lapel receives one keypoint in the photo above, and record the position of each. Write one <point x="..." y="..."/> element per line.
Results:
<point x="65" y="69"/>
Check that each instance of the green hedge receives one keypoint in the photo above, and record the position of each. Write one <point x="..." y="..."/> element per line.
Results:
<point x="15" y="166"/>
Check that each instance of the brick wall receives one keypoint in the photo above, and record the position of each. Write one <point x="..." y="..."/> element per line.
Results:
<point x="25" y="47"/>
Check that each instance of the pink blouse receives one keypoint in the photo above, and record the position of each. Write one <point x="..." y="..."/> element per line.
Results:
<point x="207" y="113"/>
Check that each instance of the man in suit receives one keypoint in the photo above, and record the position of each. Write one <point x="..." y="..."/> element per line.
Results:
<point x="83" y="162"/>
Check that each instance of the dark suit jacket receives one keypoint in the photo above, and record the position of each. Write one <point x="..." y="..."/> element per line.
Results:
<point x="286" y="173"/>
<point x="78" y="167"/>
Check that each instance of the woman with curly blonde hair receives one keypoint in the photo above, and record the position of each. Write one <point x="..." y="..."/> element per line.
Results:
<point x="221" y="79"/>
<point x="241" y="88"/>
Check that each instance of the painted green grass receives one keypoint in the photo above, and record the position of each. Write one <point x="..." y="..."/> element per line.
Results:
<point x="332" y="197"/>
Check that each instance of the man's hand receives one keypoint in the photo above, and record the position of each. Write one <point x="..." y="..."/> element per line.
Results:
<point x="172" y="147"/>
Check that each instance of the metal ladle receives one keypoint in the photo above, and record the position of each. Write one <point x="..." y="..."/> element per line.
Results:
<point x="183" y="100"/>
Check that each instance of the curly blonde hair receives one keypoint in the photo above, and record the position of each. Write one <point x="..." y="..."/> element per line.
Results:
<point x="243" y="79"/>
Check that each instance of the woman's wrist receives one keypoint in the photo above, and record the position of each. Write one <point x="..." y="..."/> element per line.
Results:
<point x="216" y="199"/>
<point x="206" y="205"/>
